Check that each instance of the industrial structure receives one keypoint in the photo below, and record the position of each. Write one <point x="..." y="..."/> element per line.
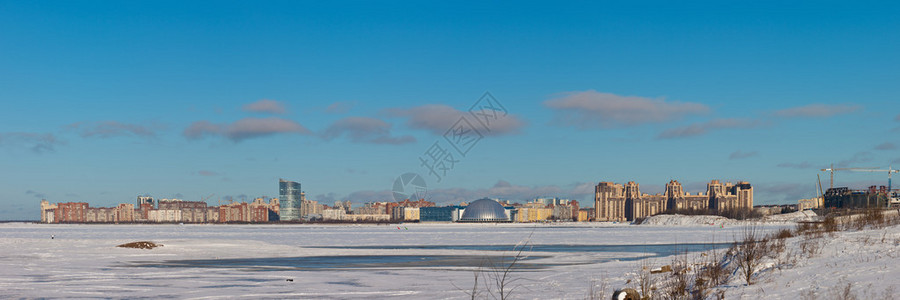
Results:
<point x="873" y="197"/>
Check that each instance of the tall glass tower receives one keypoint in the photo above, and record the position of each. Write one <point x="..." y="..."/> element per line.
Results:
<point x="289" y="200"/>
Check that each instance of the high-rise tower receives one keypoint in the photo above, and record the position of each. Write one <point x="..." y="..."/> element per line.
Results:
<point x="288" y="200"/>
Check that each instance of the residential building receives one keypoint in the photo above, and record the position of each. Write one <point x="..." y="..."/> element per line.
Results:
<point x="405" y="214"/>
<point x="191" y="211"/>
<point x="141" y="200"/>
<point x="309" y="207"/>
<point x="811" y="203"/>
<point x="165" y="216"/>
<point x="70" y="212"/>
<point x="100" y="215"/>
<point x="616" y="202"/>
<point x="47" y="212"/>
<point x="125" y="213"/>
<point x="333" y="214"/>
<point x="234" y="212"/>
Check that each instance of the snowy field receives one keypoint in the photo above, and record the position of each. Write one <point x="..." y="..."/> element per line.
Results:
<point x="410" y="261"/>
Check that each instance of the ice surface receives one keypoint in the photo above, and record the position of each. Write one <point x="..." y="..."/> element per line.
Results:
<point x="83" y="262"/>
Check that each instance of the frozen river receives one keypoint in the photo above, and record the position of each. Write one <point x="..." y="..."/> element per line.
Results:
<point x="419" y="261"/>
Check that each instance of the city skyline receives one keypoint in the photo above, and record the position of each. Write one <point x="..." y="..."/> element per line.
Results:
<point x="100" y="102"/>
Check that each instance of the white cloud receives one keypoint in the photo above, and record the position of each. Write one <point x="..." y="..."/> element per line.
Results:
<point x="817" y="110"/>
<point x="705" y="127"/>
<point x="365" y="130"/>
<point x="886" y="146"/>
<point x="108" y="129"/>
<point x="740" y="154"/>
<point x="245" y="128"/>
<point x="438" y="119"/>
<point x="36" y="142"/>
<point x="339" y="107"/>
<point x="266" y="106"/>
<point x="592" y="109"/>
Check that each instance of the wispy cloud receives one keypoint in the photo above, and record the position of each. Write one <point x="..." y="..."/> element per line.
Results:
<point x="817" y="110"/>
<point x="858" y="157"/>
<point x="801" y="165"/>
<point x="740" y="154"/>
<point x="328" y="198"/>
<point x="38" y="195"/>
<point x="697" y="129"/>
<point x="365" y="130"/>
<point x="339" y="107"/>
<point x="592" y="109"/>
<point x="207" y="173"/>
<point x="245" y="128"/>
<point x="36" y="142"/>
<point x="438" y="118"/>
<point x="886" y="146"/>
<point x="108" y="129"/>
<point x="266" y="106"/>
<point x="771" y="193"/>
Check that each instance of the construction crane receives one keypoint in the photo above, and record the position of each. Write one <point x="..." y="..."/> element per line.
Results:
<point x="890" y="170"/>
<point x="832" y="169"/>
<point x="207" y="197"/>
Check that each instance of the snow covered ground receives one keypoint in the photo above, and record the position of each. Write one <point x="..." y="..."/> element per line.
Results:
<point x="865" y="262"/>
<point x="386" y="261"/>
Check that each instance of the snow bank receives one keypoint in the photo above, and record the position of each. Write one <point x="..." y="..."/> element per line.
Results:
<point x="797" y="216"/>
<point x="683" y="220"/>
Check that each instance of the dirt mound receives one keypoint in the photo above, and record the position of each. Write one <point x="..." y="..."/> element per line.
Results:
<point x="140" y="245"/>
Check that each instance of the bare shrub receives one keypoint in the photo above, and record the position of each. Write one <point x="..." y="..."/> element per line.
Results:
<point x="497" y="277"/>
<point x="870" y="218"/>
<point x="750" y="252"/>
<point x="714" y="272"/>
<point x="843" y="291"/>
<point x="678" y="285"/>
<point x="888" y="293"/>
<point x="809" y="294"/>
<point x="810" y="246"/>
<point x="474" y="292"/>
<point x="501" y="276"/>
<point x="829" y="224"/>
<point x="644" y="279"/>
<point x="598" y="288"/>
<point x="784" y="233"/>
<point x="808" y="229"/>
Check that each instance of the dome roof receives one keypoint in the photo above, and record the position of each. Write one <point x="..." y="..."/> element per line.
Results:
<point x="484" y="210"/>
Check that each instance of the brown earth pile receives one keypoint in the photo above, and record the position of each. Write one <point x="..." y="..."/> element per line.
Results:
<point x="140" y="245"/>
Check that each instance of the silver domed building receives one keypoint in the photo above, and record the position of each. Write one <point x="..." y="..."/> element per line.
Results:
<point x="484" y="210"/>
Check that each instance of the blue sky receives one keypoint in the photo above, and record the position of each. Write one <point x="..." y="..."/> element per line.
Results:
<point x="101" y="101"/>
